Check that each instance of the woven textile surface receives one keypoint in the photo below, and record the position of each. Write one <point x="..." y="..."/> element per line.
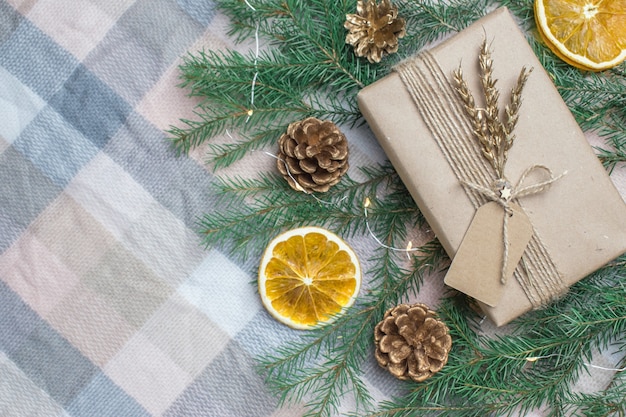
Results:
<point x="109" y="304"/>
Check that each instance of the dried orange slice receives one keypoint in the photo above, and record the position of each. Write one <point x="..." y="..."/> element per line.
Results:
<point x="307" y="276"/>
<point x="588" y="34"/>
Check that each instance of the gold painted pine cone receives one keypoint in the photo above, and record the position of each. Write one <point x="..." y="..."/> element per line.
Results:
<point x="315" y="153"/>
<point x="411" y="342"/>
<point x="375" y="29"/>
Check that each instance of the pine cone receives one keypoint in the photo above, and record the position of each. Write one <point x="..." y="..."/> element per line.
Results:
<point x="375" y="29"/>
<point x="313" y="155"/>
<point x="411" y="342"/>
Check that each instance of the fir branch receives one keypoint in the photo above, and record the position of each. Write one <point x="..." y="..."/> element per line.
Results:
<point x="610" y="402"/>
<point x="304" y="372"/>
<point x="531" y="368"/>
<point x="307" y="70"/>
<point x="613" y="130"/>
<point x="612" y="158"/>
<point x="223" y="155"/>
<point x="428" y="21"/>
<point x="296" y="371"/>
<point x="297" y="79"/>
<point x="271" y="206"/>
<point x="213" y="121"/>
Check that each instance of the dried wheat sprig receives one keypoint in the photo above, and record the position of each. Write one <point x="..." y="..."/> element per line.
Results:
<point x="491" y="94"/>
<point x="492" y="112"/>
<point x="475" y="114"/>
<point x="512" y="109"/>
<point x="494" y="136"/>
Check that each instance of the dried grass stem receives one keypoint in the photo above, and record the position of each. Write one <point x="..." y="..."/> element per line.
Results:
<point x="494" y="135"/>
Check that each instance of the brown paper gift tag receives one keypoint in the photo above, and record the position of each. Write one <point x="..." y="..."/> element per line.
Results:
<point x="476" y="269"/>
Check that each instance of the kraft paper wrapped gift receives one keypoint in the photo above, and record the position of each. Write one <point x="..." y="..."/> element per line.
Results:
<point x="579" y="222"/>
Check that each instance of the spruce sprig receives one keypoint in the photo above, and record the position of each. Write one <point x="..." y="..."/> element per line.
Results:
<point x="428" y="21"/>
<point x="308" y="72"/>
<point x="326" y="363"/>
<point x="249" y="212"/>
<point x="610" y="402"/>
<point x="532" y="367"/>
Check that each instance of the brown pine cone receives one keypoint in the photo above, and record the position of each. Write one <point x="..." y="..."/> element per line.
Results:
<point x="411" y="342"/>
<point x="313" y="155"/>
<point x="375" y="29"/>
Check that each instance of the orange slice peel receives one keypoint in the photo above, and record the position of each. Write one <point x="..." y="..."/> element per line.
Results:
<point x="588" y="34"/>
<point x="308" y="276"/>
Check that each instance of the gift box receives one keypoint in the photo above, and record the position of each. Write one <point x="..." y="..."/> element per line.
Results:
<point x="578" y="221"/>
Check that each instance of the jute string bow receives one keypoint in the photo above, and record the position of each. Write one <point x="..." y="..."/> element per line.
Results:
<point x="503" y="193"/>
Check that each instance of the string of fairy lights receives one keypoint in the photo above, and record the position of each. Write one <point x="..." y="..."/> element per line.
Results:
<point x="367" y="202"/>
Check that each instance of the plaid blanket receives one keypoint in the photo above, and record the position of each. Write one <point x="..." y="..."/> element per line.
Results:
<point x="109" y="305"/>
